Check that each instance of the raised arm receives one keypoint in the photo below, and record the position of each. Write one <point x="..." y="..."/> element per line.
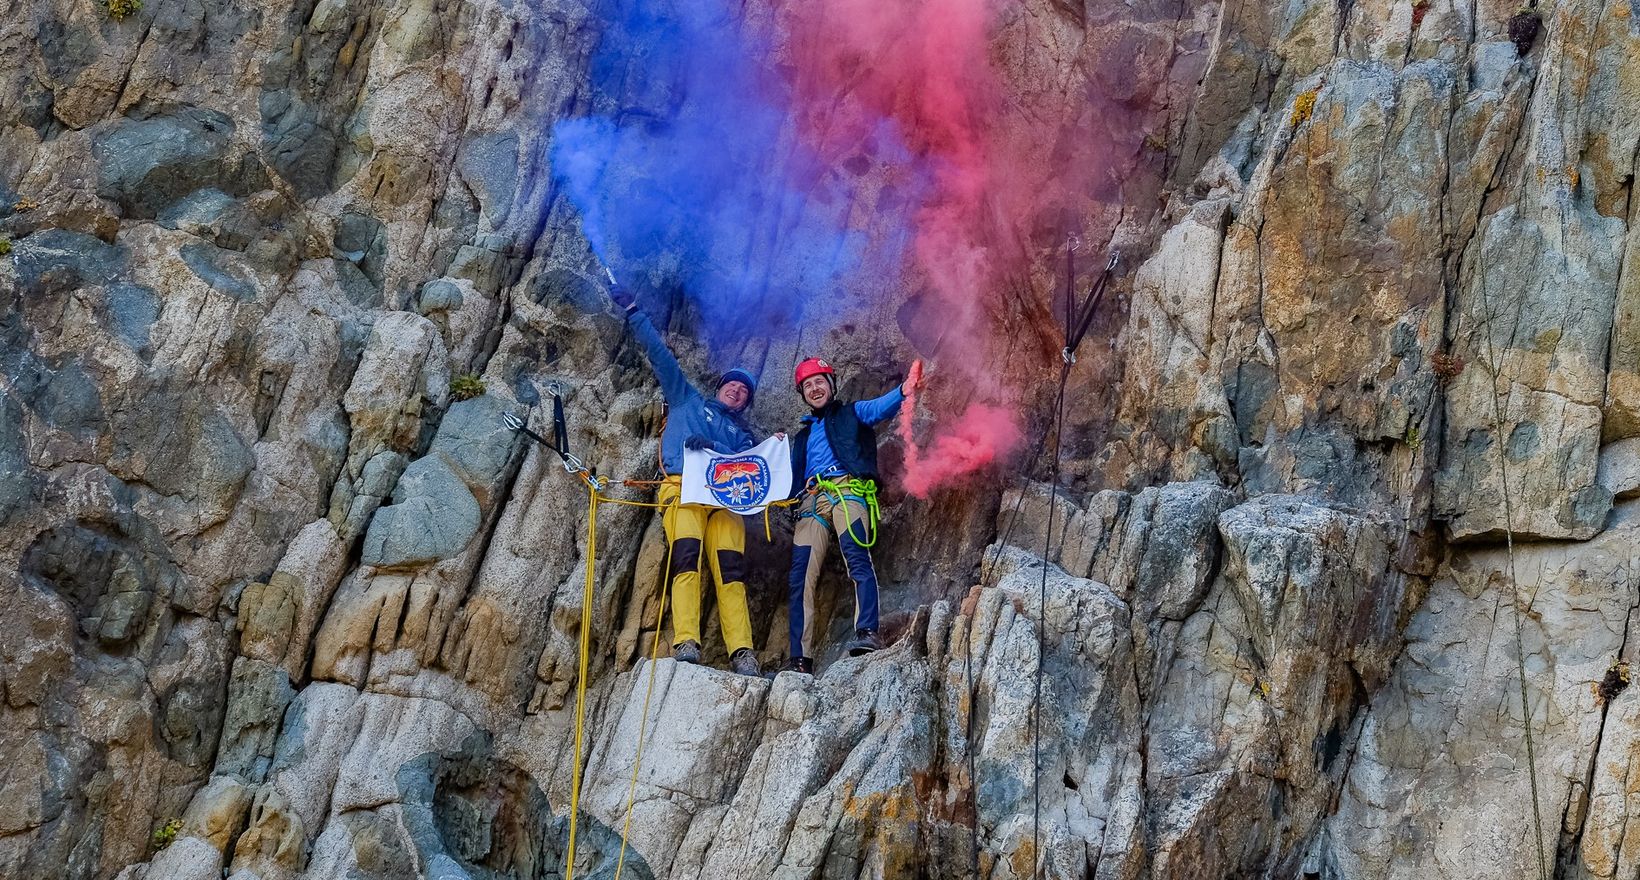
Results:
<point x="880" y="408"/>
<point x="674" y="385"/>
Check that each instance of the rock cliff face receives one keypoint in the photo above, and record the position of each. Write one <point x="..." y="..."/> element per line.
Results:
<point x="273" y="591"/>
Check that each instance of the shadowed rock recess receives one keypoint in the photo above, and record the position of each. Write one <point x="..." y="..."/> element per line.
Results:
<point x="278" y="605"/>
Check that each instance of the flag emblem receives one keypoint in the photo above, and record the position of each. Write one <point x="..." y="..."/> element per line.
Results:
<point x="739" y="481"/>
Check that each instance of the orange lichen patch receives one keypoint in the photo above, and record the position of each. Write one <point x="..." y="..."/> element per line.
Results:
<point x="1303" y="107"/>
<point x="892" y="822"/>
<point x="1022" y="861"/>
<point x="1287" y="277"/>
<point x="898" y="805"/>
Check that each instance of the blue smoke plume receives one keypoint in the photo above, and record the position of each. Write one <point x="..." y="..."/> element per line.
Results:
<point x="692" y="173"/>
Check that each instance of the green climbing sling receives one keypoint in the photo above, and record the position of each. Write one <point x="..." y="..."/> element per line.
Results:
<point x="863" y="491"/>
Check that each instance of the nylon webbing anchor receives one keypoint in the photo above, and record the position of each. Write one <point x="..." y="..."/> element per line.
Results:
<point x="1079" y="318"/>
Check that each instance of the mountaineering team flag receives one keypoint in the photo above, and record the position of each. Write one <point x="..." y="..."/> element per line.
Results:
<point x="744" y="482"/>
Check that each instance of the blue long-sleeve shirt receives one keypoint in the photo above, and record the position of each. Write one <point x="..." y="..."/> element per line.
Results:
<point x="691" y="413"/>
<point x="821" y="461"/>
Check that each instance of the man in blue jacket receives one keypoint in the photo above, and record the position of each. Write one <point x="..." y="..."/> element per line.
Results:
<point x="835" y="453"/>
<point x="695" y="421"/>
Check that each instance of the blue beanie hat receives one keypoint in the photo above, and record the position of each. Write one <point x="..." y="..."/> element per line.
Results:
<point x="744" y="377"/>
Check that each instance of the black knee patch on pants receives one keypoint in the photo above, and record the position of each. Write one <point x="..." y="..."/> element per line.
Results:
<point x="732" y="566"/>
<point x="685" y="557"/>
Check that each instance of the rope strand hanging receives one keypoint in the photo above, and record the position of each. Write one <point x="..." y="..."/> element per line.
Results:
<point x="581" y="683"/>
<point x="1078" y="320"/>
<point x="595" y="497"/>
<point x="1495" y="365"/>
<point x="643" y="717"/>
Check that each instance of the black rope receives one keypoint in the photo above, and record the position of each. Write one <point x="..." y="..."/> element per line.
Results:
<point x="986" y="570"/>
<point x="1042" y="624"/>
<point x="1077" y="323"/>
<point x="1073" y="337"/>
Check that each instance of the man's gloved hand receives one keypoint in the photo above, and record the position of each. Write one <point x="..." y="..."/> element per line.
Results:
<point x="623" y="297"/>
<point x="696" y="441"/>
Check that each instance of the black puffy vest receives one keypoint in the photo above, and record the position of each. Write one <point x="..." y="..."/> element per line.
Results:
<point x="853" y="442"/>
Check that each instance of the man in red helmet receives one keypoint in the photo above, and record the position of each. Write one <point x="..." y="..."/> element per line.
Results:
<point x="835" y="454"/>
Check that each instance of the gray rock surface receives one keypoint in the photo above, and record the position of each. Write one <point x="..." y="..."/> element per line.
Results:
<point x="1346" y="514"/>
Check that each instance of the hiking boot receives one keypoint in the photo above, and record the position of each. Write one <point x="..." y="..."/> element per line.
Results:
<point x="744" y="662"/>
<point x="800" y="664"/>
<point x="686" y="652"/>
<point x="864" y="642"/>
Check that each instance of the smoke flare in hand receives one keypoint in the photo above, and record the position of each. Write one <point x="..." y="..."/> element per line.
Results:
<point x="980" y="436"/>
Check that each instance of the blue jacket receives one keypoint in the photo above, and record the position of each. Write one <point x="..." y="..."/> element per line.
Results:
<point x="845" y="443"/>
<point x="690" y="413"/>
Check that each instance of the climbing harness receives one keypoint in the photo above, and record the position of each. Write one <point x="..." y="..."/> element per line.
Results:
<point x="852" y="489"/>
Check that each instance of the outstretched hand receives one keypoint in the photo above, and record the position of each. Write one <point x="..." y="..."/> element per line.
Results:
<point x="623" y="297"/>
<point x="914" y="380"/>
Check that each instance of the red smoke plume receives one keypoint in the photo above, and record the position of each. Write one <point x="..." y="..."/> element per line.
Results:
<point x="984" y="164"/>
<point x="979" y="437"/>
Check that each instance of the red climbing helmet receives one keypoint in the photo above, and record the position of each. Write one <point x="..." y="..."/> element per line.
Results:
<point x="814" y="367"/>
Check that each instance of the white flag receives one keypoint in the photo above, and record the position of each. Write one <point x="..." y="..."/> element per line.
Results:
<point x="744" y="482"/>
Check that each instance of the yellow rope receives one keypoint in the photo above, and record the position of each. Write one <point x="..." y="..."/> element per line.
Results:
<point x="581" y="684"/>
<point x="593" y="500"/>
<point x="643" y="721"/>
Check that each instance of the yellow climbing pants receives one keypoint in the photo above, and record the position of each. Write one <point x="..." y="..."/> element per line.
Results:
<point x="692" y="529"/>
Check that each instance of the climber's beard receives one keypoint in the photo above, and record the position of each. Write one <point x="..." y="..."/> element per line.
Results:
<point x="817" y="392"/>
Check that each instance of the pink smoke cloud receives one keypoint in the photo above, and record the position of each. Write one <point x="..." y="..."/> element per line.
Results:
<point x="991" y="174"/>
<point x="978" y="437"/>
